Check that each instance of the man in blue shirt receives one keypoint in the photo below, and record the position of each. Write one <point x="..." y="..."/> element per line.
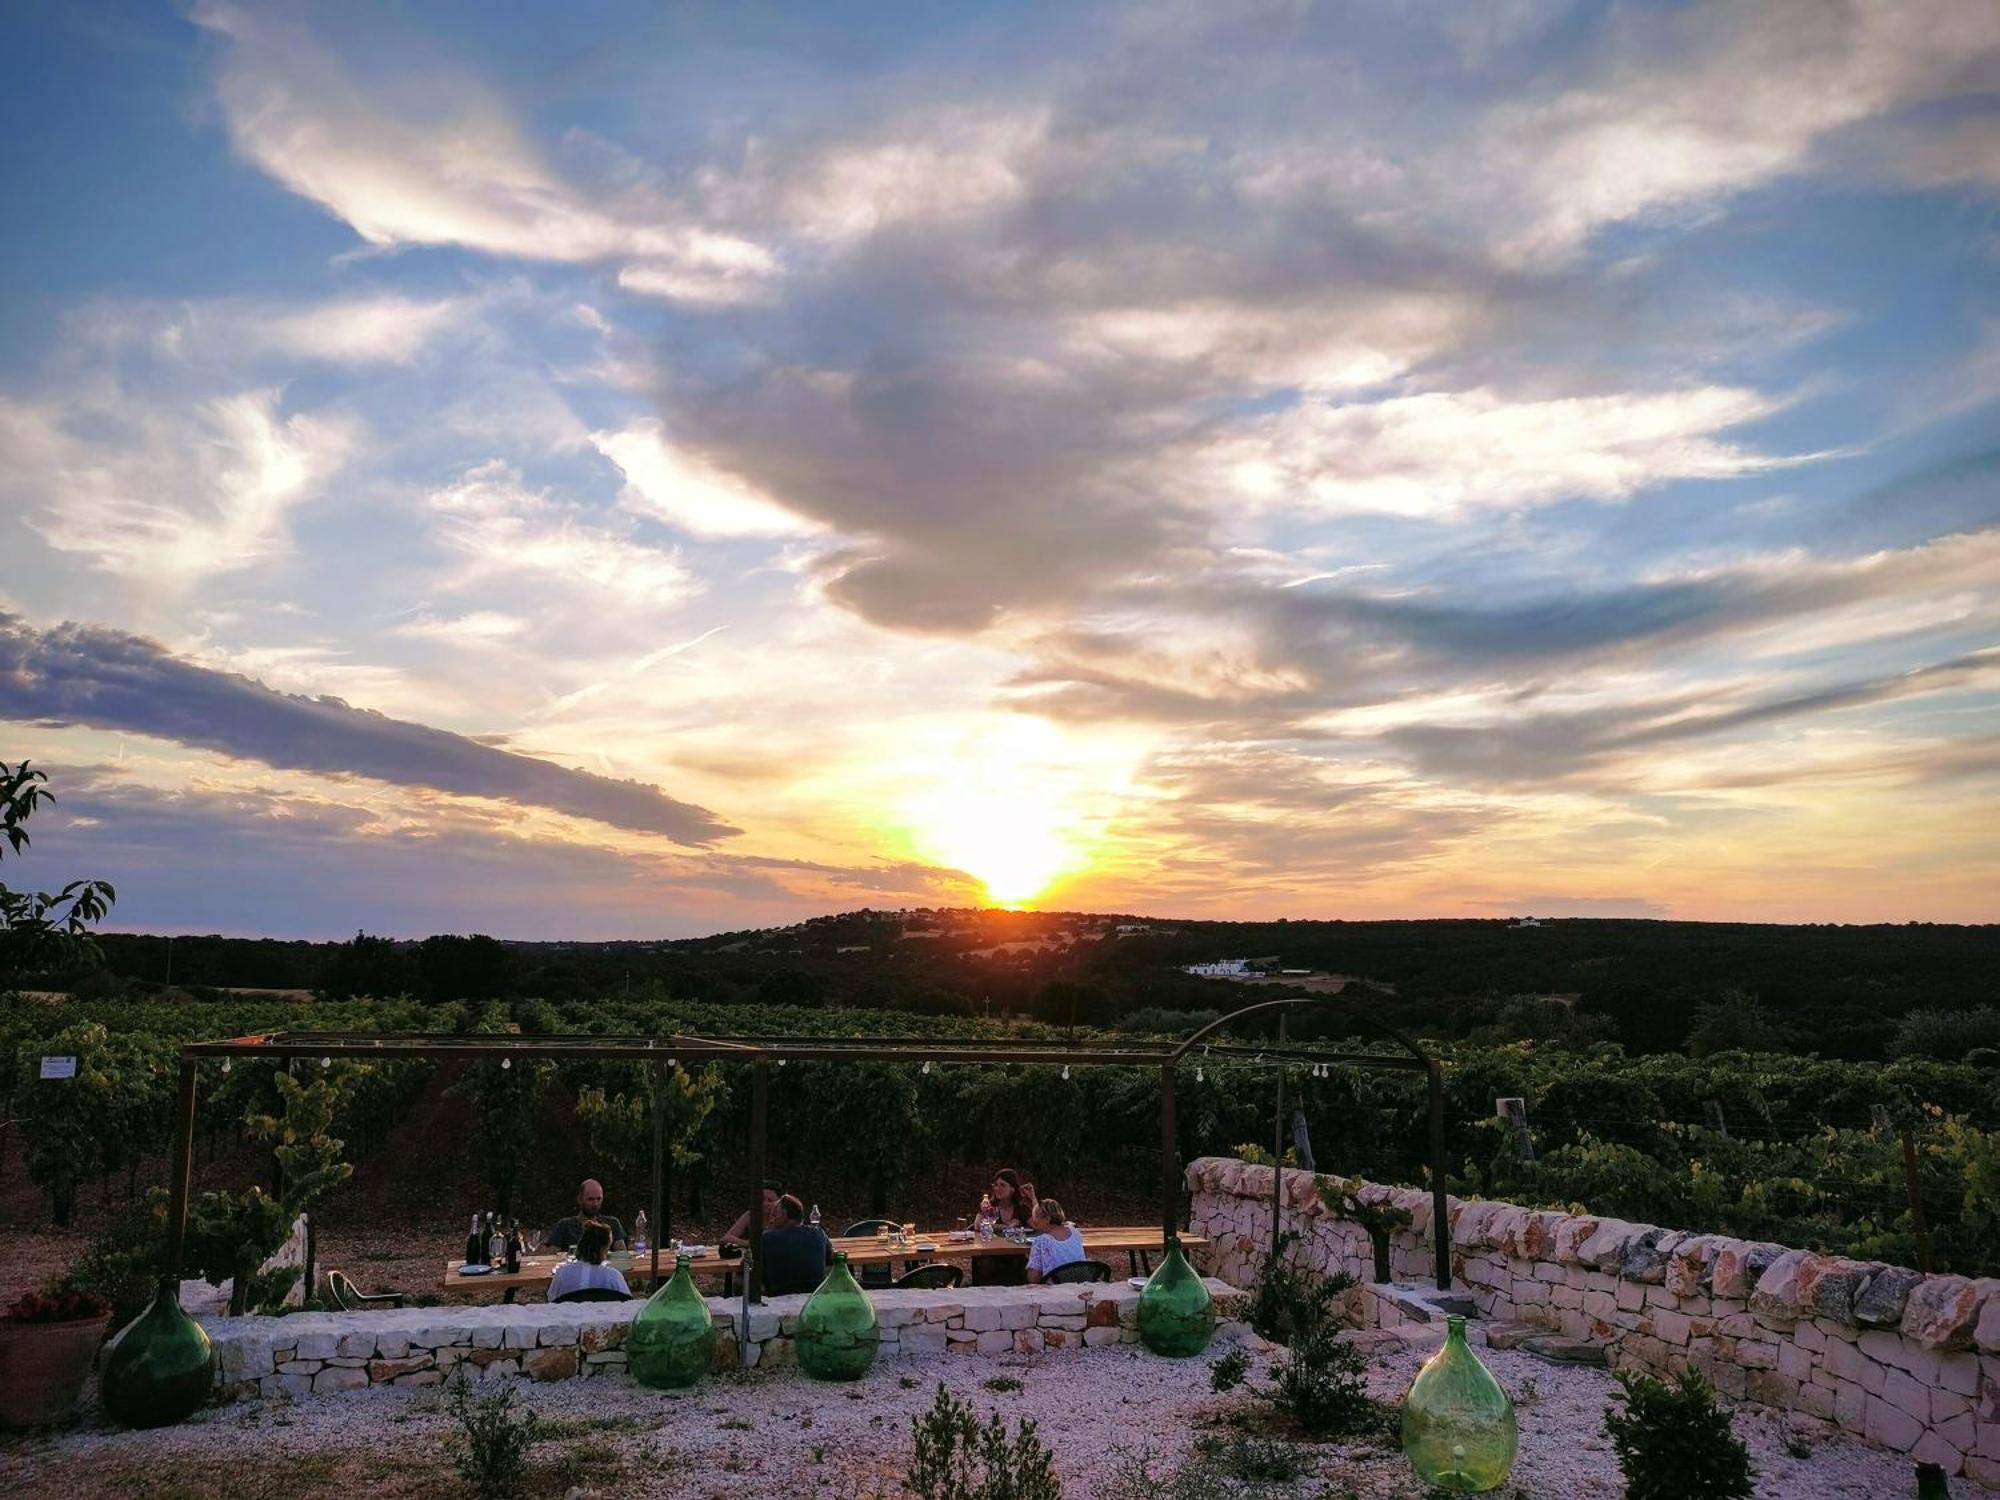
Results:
<point x="796" y="1254"/>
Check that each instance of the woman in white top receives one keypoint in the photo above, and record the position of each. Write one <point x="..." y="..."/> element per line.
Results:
<point x="1057" y="1242"/>
<point x="588" y="1270"/>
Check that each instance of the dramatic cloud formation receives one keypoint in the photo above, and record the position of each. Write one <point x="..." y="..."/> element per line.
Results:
<point x="1280" y="457"/>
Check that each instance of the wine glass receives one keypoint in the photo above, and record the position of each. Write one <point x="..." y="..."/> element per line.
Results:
<point x="531" y="1240"/>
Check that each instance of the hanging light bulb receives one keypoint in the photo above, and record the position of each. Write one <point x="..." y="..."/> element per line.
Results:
<point x="1065" y="1072"/>
<point x="782" y="1061"/>
<point x="506" y="1062"/>
<point x="326" y="1062"/>
<point x="226" y="1062"/>
<point x="927" y="1065"/>
<point x="1198" y="1075"/>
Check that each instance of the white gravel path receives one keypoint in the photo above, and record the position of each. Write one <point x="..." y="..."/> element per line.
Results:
<point x="781" y="1430"/>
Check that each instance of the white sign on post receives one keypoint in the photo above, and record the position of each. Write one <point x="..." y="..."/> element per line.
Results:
<point x="58" y="1067"/>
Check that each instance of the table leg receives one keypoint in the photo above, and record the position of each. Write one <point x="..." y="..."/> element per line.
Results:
<point x="508" y="1295"/>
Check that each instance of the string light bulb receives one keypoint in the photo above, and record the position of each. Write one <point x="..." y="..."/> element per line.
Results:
<point x="326" y="1062"/>
<point x="226" y="1063"/>
<point x="1199" y="1077"/>
<point x="927" y="1065"/>
<point x="506" y="1062"/>
<point x="1065" y="1072"/>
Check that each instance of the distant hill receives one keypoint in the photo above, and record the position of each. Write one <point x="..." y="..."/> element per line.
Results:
<point x="1652" y="985"/>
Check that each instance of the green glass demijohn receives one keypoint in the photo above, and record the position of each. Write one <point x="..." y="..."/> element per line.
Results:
<point x="161" y="1368"/>
<point x="672" y="1341"/>
<point x="1458" y="1425"/>
<point x="1176" y="1314"/>
<point x="838" y="1334"/>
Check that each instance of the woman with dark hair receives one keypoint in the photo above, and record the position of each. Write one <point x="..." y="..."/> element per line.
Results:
<point x="587" y="1269"/>
<point x="1009" y="1204"/>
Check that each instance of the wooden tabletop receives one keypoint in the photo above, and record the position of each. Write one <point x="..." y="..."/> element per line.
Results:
<point x="861" y="1251"/>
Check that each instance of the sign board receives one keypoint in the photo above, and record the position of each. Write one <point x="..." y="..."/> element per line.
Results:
<point x="58" y="1067"/>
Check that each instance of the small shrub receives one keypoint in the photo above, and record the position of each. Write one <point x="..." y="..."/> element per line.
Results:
<point x="1674" y="1443"/>
<point x="490" y="1448"/>
<point x="1228" y="1372"/>
<point x="1289" y="1301"/>
<point x="957" y="1459"/>
<point x="1255" y="1460"/>
<point x="1002" y="1383"/>
<point x="1321" y="1386"/>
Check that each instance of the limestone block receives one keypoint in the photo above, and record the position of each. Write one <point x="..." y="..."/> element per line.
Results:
<point x="1904" y="1392"/>
<point x="558" y="1335"/>
<point x="1648" y="1256"/>
<point x="357" y="1344"/>
<point x="1688" y="1266"/>
<point x="301" y="1367"/>
<point x="1882" y="1300"/>
<point x="339" y="1378"/>
<point x="1671" y="1327"/>
<point x="1570" y="1236"/>
<point x="1815" y="1401"/>
<point x="1471" y="1224"/>
<point x="944" y="1312"/>
<point x="1795" y="1362"/>
<point x="1959" y="1373"/>
<point x="994" y="1341"/>
<point x="1849" y="1363"/>
<point x="392" y="1345"/>
<point x="295" y="1385"/>
<point x="1942" y="1311"/>
<point x="338" y="1362"/>
<point x="924" y="1338"/>
<point x="1830" y="1285"/>
<point x="245" y="1358"/>
<point x="1889" y="1426"/>
<point x="1933" y="1449"/>
<point x="500" y="1369"/>
<point x="419" y="1377"/>
<point x="1986" y="1327"/>
<point x="1772" y="1388"/>
<point x="489" y="1336"/>
<point x="519" y="1336"/>
<point x="317" y="1346"/>
<point x="381" y="1371"/>
<point x="550" y="1363"/>
<point x="1017" y="1316"/>
<point x="1605" y="1250"/>
<point x="1631" y="1296"/>
<point x="1776" y="1294"/>
<point x="442" y="1335"/>
<point x="1740" y="1265"/>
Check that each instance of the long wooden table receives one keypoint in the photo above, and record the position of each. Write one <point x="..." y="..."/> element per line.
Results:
<point x="1138" y="1243"/>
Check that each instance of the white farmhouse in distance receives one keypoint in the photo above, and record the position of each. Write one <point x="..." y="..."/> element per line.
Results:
<point x="1527" y="922"/>
<point x="1222" y="968"/>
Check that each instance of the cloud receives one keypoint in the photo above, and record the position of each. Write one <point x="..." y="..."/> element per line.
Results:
<point x="168" y="495"/>
<point x="105" y="679"/>
<point x="499" y="528"/>
<point x="686" y="490"/>
<point x="1445" y="452"/>
<point x="460" y="173"/>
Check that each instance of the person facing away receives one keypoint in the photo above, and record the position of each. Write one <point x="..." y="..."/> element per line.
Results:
<point x="796" y="1254"/>
<point x="588" y="1269"/>
<point x="739" y="1232"/>
<point x="1057" y="1242"/>
<point x="567" y="1234"/>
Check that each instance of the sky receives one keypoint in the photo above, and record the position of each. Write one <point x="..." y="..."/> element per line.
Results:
<point x="640" y="469"/>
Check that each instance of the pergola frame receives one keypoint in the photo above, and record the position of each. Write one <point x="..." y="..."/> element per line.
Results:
<point x="759" y="1053"/>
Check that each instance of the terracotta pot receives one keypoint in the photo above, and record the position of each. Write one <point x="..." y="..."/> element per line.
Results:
<point x="42" y="1367"/>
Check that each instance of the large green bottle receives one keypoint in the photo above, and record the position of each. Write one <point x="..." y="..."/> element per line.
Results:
<point x="1458" y="1425"/>
<point x="161" y="1368"/>
<point x="838" y="1334"/>
<point x="672" y="1341"/>
<point x="1176" y="1314"/>
<point x="1931" y="1483"/>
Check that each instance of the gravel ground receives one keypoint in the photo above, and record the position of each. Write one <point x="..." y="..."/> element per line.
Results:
<point x="1099" y="1412"/>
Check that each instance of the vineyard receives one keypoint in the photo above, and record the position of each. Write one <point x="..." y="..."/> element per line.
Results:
<point x="1803" y="1151"/>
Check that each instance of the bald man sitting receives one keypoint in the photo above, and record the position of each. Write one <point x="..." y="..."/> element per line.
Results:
<point x="589" y="1205"/>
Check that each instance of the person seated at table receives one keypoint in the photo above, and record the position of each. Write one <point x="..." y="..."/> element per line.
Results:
<point x="1013" y="1201"/>
<point x="1057" y="1242"/>
<point x="567" y="1234"/>
<point x="588" y="1270"/>
<point x="796" y="1254"/>
<point x="739" y="1232"/>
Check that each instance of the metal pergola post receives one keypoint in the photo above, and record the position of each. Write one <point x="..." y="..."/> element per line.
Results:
<point x="181" y="1184"/>
<point x="659" y="1151"/>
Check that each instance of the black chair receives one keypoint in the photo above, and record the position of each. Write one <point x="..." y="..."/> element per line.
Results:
<point x="936" y="1276"/>
<point x="875" y="1276"/>
<point x="1078" y="1270"/>
<point x="593" y="1294"/>
<point x="350" y="1298"/>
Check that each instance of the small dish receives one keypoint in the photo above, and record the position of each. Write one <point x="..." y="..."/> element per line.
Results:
<point x="475" y="1270"/>
<point x="1138" y="1281"/>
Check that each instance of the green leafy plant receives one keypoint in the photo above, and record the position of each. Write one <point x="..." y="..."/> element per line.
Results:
<point x="1228" y="1372"/>
<point x="1254" y="1460"/>
<point x="1289" y="1300"/>
<point x="1673" y="1442"/>
<point x="42" y="930"/>
<point x="1321" y="1385"/>
<point x="490" y="1446"/>
<point x="956" y="1458"/>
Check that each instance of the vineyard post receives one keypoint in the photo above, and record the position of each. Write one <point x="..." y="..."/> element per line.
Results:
<point x="182" y="1182"/>
<point x="1917" y="1223"/>
<point x="1169" y="1165"/>
<point x="1278" y="1146"/>
<point x="1440" y="1213"/>
<point x="753" y="1233"/>
<point x="659" y="1144"/>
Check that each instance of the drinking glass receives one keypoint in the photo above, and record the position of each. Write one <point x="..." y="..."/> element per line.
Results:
<point x="531" y="1240"/>
<point x="910" y="1233"/>
<point x="881" y="1234"/>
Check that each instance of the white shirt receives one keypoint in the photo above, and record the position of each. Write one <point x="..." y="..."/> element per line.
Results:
<point x="576" y="1275"/>
<point x="1046" y="1253"/>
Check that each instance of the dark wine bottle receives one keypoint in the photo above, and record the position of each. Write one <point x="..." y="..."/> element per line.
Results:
<point x="475" y="1248"/>
<point x="513" y="1247"/>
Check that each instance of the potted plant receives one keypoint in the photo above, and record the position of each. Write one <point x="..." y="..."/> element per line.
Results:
<point x="47" y="1342"/>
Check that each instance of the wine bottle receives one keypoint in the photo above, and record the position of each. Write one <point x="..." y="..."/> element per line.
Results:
<point x="475" y="1247"/>
<point x="514" y="1247"/>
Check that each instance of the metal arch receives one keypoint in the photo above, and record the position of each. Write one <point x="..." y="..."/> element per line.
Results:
<point x="1434" y="1088"/>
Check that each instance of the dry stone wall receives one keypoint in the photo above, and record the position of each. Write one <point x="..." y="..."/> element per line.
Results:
<point x="1902" y="1360"/>
<point x="317" y="1353"/>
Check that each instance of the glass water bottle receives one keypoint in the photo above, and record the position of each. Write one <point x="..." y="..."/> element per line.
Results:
<point x="1458" y="1425"/>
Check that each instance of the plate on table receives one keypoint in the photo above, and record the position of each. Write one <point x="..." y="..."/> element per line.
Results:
<point x="475" y="1270"/>
<point x="929" y="1245"/>
<point x="961" y="1236"/>
<point x="1138" y="1281"/>
<point x="694" y="1251"/>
